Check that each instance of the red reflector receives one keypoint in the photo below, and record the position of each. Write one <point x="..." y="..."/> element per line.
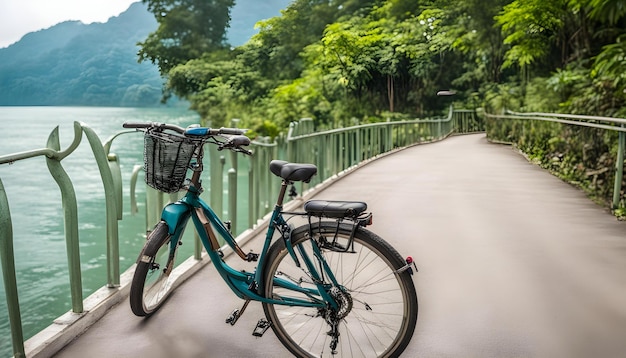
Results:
<point x="409" y="260"/>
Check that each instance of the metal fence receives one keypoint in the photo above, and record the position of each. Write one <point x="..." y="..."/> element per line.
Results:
<point x="333" y="151"/>
<point x="502" y="124"/>
<point x="111" y="179"/>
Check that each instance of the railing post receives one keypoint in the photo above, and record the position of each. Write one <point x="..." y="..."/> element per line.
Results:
<point x="70" y="208"/>
<point x="232" y="199"/>
<point x="232" y="184"/>
<point x="152" y="207"/>
<point x="108" y="165"/>
<point x="116" y="173"/>
<point x="439" y="128"/>
<point x="133" y="186"/>
<point x="619" y="167"/>
<point x="217" y="184"/>
<point x="291" y="155"/>
<point x="252" y="197"/>
<point x="358" y="150"/>
<point x="7" y="259"/>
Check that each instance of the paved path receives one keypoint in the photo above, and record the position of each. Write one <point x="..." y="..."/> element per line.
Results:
<point x="513" y="263"/>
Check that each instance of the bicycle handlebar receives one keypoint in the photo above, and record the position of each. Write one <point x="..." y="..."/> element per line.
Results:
<point x="234" y="142"/>
<point x="141" y="125"/>
<point x="191" y="131"/>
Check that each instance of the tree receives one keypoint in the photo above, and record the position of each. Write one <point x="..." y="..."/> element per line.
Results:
<point x="610" y="63"/>
<point x="281" y="40"/>
<point x="335" y="60"/>
<point x="187" y="30"/>
<point x="531" y="26"/>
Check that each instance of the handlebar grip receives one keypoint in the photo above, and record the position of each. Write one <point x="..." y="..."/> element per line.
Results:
<point x="137" y="124"/>
<point x="235" y="131"/>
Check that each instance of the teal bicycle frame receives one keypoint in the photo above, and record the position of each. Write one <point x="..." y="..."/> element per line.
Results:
<point x="291" y="268"/>
<point x="245" y="285"/>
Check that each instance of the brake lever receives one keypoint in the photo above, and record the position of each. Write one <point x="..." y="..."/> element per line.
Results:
<point x="235" y="144"/>
<point x="229" y="146"/>
<point x="244" y="151"/>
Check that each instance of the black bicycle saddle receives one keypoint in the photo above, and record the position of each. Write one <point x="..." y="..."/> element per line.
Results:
<point x="293" y="171"/>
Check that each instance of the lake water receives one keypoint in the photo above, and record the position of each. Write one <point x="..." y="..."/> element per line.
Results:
<point x="37" y="214"/>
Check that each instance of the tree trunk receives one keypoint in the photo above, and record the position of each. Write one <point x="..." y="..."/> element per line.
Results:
<point x="390" y="92"/>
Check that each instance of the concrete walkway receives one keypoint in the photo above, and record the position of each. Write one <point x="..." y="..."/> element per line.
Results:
<point x="513" y="263"/>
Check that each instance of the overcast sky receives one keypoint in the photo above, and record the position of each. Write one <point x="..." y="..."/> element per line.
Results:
<point x="19" y="17"/>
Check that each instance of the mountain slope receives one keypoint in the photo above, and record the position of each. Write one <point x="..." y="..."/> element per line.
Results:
<point x="96" y="65"/>
<point x="76" y="64"/>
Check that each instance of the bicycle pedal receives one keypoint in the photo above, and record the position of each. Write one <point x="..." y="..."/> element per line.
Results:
<point x="251" y="256"/>
<point x="261" y="327"/>
<point x="233" y="317"/>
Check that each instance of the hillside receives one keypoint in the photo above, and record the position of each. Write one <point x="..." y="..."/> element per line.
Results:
<point x="73" y="64"/>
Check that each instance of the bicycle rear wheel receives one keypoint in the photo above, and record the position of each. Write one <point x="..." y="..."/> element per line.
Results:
<point x="377" y="309"/>
<point x="152" y="281"/>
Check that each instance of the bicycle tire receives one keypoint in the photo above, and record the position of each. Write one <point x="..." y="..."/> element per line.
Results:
<point x="151" y="284"/>
<point x="381" y="304"/>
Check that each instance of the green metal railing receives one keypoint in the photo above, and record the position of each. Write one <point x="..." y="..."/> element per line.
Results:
<point x="332" y="151"/>
<point x="604" y="123"/>
<point x="111" y="179"/>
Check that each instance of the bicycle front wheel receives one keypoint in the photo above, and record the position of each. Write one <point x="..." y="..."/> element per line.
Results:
<point x="152" y="281"/>
<point x="377" y="305"/>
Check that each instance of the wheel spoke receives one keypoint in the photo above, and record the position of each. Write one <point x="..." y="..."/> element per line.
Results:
<point x="376" y="311"/>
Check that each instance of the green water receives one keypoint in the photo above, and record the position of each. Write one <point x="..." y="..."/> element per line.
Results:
<point x="36" y="211"/>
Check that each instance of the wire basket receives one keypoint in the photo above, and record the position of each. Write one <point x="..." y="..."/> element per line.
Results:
<point x="166" y="160"/>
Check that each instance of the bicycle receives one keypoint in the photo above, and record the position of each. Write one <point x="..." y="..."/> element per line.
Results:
<point x="327" y="287"/>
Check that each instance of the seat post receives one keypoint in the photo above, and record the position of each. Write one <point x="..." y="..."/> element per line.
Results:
<point x="281" y="194"/>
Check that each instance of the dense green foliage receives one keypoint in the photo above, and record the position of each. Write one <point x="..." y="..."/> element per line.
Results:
<point x="571" y="60"/>
<point x="337" y="60"/>
<point x="345" y="61"/>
